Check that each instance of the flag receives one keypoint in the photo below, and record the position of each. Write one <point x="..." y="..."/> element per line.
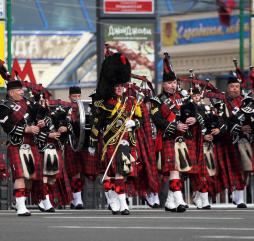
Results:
<point x="225" y="8"/>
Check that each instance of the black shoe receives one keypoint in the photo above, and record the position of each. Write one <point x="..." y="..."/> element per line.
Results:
<point x="173" y="210"/>
<point x="242" y="205"/>
<point x="115" y="212"/>
<point x="24" y="214"/>
<point x="207" y="207"/>
<point x="125" y="212"/>
<point x="51" y="210"/>
<point x="79" y="206"/>
<point x="109" y="207"/>
<point x="156" y="205"/>
<point x="72" y="206"/>
<point x="41" y="209"/>
<point x="186" y="206"/>
<point x="180" y="209"/>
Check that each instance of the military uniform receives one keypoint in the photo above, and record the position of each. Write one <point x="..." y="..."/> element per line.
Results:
<point x="177" y="149"/>
<point x="61" y="193"/>
<point x="110" y="123"/>
<point x="75" y="160"/>
<point x="25" y="159"/>
<point x="231" y="169"/>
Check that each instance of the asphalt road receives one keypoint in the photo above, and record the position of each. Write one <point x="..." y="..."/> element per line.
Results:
<point x="142" y="224"/>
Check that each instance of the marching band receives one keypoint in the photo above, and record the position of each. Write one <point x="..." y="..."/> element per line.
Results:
<point x="132" y="139"/>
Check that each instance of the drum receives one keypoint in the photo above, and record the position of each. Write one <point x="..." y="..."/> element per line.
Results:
<point x="81" y="125"/>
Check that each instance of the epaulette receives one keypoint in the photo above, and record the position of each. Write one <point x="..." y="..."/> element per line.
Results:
<point x="100" y="104"/>
<point x="155" y="99"/>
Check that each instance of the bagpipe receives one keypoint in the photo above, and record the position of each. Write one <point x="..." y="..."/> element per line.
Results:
<point x="187" y="107"/>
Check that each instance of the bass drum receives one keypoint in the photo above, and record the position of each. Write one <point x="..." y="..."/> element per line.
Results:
<point x="81" y="127"/>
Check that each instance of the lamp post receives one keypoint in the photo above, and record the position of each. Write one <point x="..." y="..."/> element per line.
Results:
<point x="252" y="34"/>
<point x="241" y="34"/>
<point x="9" y="35"/>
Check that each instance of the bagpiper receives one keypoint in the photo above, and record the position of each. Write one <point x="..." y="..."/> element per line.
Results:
<point x="18" y="121"/>
<point x="177" y="139"/>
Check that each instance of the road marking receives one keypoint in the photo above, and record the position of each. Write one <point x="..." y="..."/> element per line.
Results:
<point x="33" y="213"/>
<point x="228" y="237"/>
<point x="143" y="210"/>
<point x="148" y="217"/>
<point x="153" y="228"/>
<point x="221" y="210"/>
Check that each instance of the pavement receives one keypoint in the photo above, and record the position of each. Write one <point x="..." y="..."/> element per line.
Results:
<point x="220" y="223"/>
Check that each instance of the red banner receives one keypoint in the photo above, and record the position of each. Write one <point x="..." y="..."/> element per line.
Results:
<point x="123" y="6"/>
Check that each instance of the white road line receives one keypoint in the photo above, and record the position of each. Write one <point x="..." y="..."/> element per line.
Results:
<point x="153" y="228"/>
<point x="35" y="214"/>
<point x="228" y="237"/>
<point x="143" y="210"/>
<point x="221" y="210"/>
<point x="147" y="217"/>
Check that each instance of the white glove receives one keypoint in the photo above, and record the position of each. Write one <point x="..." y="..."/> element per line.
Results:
<point x="129" y="124"/>
<point x="91" y="150"/>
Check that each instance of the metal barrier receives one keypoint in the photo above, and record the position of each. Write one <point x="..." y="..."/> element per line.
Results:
<point x="94" y="198"/>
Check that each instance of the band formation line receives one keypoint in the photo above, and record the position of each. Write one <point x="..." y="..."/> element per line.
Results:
<point x="132" y="139"/>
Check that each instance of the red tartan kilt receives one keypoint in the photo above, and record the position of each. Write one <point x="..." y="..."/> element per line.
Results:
<point x="112" y="169"/>
<point x="229" y="166"/>
<point x="60" y="192"/>
<point x="73" y="161"/>
<point x="16" y="165"/>
<point x="168" y="156"/>
<point x="90" y="164"/>
<point x="61" y="163"/>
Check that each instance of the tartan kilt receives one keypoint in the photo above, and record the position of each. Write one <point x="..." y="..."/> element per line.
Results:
<point x="73" y="161"/>
<point x="113" y="166"/>
<point x="168" y="162"/>
<point x="60" y="192"/>
<point x="196" y="151"/>
<point x="90" y="164"/>
<point x="147" y="179"/>
<point x="37" y="192"/>
<point x="230" y="173"/>
<point x="168" y="157"/>
<point x="15" y="161"/>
